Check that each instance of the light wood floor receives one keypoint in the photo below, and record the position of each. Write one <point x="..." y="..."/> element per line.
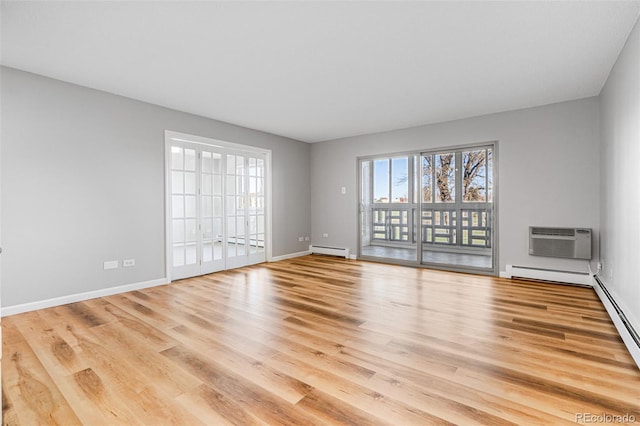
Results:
<point x="320" y="340"/>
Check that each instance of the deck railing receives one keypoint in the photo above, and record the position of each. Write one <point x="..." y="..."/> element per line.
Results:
<point x="465" y="227"/>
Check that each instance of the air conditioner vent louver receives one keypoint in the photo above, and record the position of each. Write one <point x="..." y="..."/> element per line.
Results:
<point x="570" y="243"/>
<point x="566" y="232"/>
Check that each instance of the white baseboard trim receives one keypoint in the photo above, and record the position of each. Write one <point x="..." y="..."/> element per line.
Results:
<point x="632" y="346"/>
<point x="289" y="256"/>
<point x="353" y="257"/>
<point x="79" y="297"/>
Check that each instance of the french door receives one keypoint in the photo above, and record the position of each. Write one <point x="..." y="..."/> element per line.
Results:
<point x="244" y="209"/>
<point x="216" y="208"/>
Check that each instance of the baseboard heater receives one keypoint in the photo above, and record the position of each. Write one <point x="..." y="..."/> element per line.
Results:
<point x="333" y="251"/>
<point x="628" y="333"/>
<point x="569" y="277"/>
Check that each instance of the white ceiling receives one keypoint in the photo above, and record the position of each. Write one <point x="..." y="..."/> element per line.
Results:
<point x="315" y="71"/>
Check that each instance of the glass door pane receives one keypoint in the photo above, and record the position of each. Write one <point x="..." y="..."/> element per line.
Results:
<point x="211" y="213"/>
<point x="456" y="210"/>
<point x="387" y="208"/>
<point x="365" y="206"/>
<point x="256" y="203"/>
<point x="445" y="178"/>
<point x="477" y="188"/>
<point x="184" y="235"/>
<point x="245" y="213"/>
<point x="233" y="189"/>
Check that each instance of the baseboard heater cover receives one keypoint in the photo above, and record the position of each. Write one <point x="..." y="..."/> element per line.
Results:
<point x="333" y="251"/>
<point x="628" y="333"/>
<point x="570" y="277"/>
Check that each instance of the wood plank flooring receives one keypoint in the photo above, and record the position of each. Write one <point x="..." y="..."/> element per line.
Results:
<point x="321" y="340"/>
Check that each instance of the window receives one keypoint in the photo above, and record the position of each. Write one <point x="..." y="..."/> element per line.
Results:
<point x="391" y="180"/>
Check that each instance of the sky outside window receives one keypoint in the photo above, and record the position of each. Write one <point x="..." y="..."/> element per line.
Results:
<point x="381" y="181"/>
<point x="399" y="173"/>
<point x="398" y="168"/>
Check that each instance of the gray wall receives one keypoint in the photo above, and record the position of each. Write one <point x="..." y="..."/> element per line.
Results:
<point x="548" y="174"/>
<point x="83" y="182"/>
<point x="620" y="185"/>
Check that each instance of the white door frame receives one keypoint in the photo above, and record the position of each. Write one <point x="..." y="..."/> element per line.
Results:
<point x="173" y="136"/>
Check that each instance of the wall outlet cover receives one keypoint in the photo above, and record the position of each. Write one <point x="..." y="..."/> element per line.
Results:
<point x="110" y="264"/>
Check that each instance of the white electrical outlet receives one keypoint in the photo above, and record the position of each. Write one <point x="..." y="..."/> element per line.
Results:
<point x="306" y="238"/>
<point x="343" y="190"/>
<point x="127" y="263"/>
<point x="300" y="239"/>
<point x="325" y="235"/>
<point x="110" y="264"/>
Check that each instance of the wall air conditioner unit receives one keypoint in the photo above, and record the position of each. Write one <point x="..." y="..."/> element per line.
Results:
<point x="570" y="243"/>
